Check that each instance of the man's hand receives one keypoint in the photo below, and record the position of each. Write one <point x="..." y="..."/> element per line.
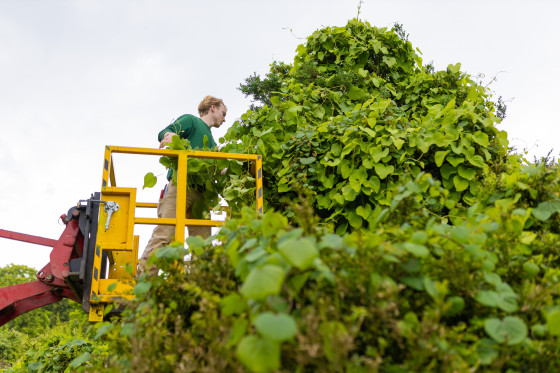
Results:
<point x="166" y="139"/>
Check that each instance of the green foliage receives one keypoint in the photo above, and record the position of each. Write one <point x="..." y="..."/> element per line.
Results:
<point x="12" y="344"/>
<point x="64" y="348"/>
<point x="262" y="90"/>
<point x="229" y="179"/>
<point x="35" y="322"/>
<point x="413" y="294"/>
<point x="359" y="113"/>
<point x="405" y="237"/>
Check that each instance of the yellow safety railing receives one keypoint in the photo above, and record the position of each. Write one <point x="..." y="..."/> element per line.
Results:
<point x="118" y="240"/>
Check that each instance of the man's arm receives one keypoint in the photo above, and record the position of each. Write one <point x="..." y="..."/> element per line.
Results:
<point x="181" y="126"/>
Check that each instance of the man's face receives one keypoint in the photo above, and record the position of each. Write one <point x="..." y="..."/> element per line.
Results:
<point x="218" y="115"/>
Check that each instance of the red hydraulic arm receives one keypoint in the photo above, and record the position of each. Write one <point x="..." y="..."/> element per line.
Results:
<point x="50" y="286"/>
<point x="27" y="238"/>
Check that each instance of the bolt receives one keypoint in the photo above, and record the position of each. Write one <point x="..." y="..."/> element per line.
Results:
<point x="49" y="278"/>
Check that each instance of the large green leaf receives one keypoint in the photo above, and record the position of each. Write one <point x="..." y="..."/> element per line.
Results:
<point x="349" y="193"/>
<point x="480" y="138"/>
<point x="545" y="210"/>
<point x="460" y="183"/>
<point x="355" y="93"/>
<point x="149" y="180"/>
<point x="383" y="170"/>
<point x="233" y="304"/>
<point x="258" y="354"/>
<point x="466" y="173"/>
<point x="277" y="327"/>
<point x="299" y="252"/>
<point x="262" y="282"/>
<point x="510" y="330"/>
<point x="506" y="301"/>
<point x="440" y="157"/>
<point x="418" y="250"/>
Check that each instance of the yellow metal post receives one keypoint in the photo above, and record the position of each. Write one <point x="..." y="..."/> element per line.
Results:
<point x="181" y="198"/>
<point x="260" y="197"/>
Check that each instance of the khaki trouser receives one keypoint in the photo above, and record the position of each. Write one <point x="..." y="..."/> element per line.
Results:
<point x="163" y="234"/>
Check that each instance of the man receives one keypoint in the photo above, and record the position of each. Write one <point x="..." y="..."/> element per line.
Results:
<point x="212" y="113"/>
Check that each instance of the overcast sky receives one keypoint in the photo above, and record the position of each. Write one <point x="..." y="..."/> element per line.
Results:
<point x="78" y="75"/>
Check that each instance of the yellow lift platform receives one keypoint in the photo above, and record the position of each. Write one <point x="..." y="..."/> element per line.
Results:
<point x="116" y="243"/>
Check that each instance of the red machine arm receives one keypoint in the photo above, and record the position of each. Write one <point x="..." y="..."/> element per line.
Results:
<point x="51" y="285"/>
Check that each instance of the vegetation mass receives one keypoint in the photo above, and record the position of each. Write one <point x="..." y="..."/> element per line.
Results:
<point x="400" y="232"/>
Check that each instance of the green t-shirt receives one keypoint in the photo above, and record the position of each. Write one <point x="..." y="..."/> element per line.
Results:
<point x="191" y="128"/>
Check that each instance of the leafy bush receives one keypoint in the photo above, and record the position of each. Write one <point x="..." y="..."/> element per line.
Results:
<point x="358" y="113"/>
<point x="12" y="344"/>
<point x="413" y="294"/>
<point x="64" y="348"/>
<point x="35" y="322"/>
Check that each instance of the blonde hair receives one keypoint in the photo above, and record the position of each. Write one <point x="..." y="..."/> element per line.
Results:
<point x="206" y="104"/>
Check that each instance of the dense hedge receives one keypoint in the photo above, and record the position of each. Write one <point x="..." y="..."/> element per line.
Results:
<point x="412" y="293"/>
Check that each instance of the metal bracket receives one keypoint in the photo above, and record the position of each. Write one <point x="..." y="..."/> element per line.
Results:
<point x="110" y="208"/>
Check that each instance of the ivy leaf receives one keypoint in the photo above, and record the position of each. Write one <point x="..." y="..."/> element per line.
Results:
<point x="196" y="245"/>
<point x="149" y="180"/>
<point x="506" y="301"/>
<point x="466" y="173"/>
<point x="336" y="148"/>
<point x="460" y="183"/>
<point x="355" y="93"/>
<point x="262" y="282"/>
<point x="319" y="112"/>
<point x="238" y="331"/>
<point x="480" y="138"/>
<point x="299" y="252"/>
<point x="258" y="354"/>
<point x="79" y="360"/>
<point x="349" y="193"/>
<point x="455" y="161"/>
<point x="278" y="328"/>
<point x="378" y="152"/>
<point x="389" y="61"/>
<point x="233" y="304"/>
<point x="440" y="156"/>
<point x="545" y="210"/>
<point x="447" y="170"/>
<point x="354" y="220"/>
<point x="415" y="249"/>
<point x="475" y="160"/>
<point x="511" y="330"/>
<point x="363" y="211"/>
<point x="383" y="170"/>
